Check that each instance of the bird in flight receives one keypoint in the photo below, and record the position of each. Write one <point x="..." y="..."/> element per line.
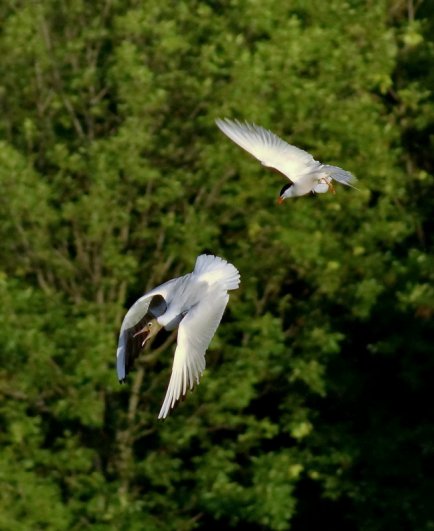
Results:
<point x="304" y="172"/>
<point x="195" y="304"/>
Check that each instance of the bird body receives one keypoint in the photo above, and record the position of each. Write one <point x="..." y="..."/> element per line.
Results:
<point x="305" y="173"/>
<point x="195" y="303"/>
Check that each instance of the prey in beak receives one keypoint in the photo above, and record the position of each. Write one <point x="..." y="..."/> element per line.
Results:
<point x="150" y="329"/>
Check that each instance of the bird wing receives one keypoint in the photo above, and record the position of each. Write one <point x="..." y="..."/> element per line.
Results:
<point x="267" y="147"/>
<point x="195" y="332"/>
<point x="151" y="304"/>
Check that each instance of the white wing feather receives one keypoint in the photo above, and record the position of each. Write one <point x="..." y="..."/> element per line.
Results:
<point x="267" y="147"/>
<point x="194" y="336"/>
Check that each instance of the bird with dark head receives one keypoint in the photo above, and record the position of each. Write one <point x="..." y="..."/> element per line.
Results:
<point x="304" y="172"/>
<point x="195" y="304"/>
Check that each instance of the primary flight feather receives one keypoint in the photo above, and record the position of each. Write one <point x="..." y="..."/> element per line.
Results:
<point x="195" y="304"/>
<point x="305" y="173"/>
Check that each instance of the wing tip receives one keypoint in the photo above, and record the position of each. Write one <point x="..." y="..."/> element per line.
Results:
<point x="173" y="396"/>
<point x="228" y="122"/>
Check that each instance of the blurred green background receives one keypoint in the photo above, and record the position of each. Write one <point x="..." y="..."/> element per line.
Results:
<point x="316" y="407"/>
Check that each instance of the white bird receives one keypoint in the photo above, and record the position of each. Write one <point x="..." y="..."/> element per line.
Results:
<point x="195" y="303"/>
<point x="305" y="173"/>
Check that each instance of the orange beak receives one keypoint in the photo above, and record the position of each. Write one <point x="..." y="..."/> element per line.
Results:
<point x="279" y="200"/>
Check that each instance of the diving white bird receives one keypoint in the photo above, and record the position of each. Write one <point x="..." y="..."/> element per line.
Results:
<point x="195" y="303"/>
<point x="305" y="173"/>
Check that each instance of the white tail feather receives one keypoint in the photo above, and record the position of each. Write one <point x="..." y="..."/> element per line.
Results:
<point x="213" y="269"/>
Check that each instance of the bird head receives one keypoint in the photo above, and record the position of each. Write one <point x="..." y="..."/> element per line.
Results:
<point x="151" y="328"/>
<point x="287" y="191"/>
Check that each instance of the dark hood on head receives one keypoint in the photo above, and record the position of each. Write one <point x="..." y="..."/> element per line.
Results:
<point x="285" y="187"/>
<point x="133" y="342"/>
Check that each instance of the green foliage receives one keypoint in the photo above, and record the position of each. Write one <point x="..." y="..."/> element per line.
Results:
<point x="113" y="178"/>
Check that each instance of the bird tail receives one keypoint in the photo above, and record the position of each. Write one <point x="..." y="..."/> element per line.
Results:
<point x="340" y="175"/>
<point x="213" y="269"/>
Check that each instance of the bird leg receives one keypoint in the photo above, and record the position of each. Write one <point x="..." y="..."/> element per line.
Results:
<point x="331" y="188"/>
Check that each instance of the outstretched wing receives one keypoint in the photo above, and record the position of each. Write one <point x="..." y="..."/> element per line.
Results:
<point x="152" y="304"/>
<point x="267" y="147"/>
<point x="194" y="336"/>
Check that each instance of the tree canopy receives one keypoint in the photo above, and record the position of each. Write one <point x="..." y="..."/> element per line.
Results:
<point x="315" y="408"/>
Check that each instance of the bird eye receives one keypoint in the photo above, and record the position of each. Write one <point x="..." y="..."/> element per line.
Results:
<point x="149" y="324"/>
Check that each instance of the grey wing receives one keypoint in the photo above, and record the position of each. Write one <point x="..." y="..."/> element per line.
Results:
<point x="194" y="336"/>
<point x="267" y="147"/>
